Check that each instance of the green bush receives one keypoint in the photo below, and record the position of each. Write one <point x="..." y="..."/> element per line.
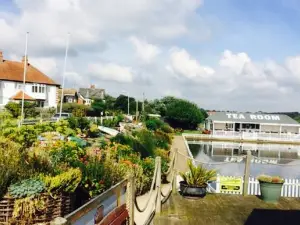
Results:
<point x="10" y="164"/>
<point x="183" y="114"/>
<point x="26" y="188"/>
<point x="29" y="109"/>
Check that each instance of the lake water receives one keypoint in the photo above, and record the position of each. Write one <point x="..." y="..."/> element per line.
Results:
<point x="227" y="158"/>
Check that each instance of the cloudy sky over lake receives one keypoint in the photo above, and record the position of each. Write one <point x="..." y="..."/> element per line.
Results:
<point x="221" y="54"/>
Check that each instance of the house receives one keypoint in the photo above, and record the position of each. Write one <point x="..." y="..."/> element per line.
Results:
<point x="70" y="95"/>
<point x="86" y="95"/>
<point x="38" y="87"/>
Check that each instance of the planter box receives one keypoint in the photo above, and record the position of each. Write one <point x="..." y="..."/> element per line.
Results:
<point x="59" y="206"/>
<point x="192" y="191"/>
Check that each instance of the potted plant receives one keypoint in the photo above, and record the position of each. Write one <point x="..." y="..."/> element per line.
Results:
<point x="195" y="180"/>
<point x="270" y="187"/>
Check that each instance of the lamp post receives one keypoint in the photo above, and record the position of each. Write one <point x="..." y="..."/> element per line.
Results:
<point x="64" y="74"/>
<point x="24" y="77"/>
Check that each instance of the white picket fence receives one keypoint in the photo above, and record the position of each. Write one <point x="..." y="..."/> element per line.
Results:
<point x="291" y="188"/>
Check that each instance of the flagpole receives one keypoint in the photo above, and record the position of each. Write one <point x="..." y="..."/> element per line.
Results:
<point x="64" y="74"/>
<point x="24" y="77"/>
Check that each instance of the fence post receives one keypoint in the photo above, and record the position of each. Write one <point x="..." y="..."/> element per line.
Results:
<point x="174" y="187"/>
<point x="247" y="173"/>
<point x="158" y="185"/>
<point x="131" y="200"/>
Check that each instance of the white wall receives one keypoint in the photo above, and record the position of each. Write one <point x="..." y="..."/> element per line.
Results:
<point x="7" y="91"/>
<point x="51" y="96"/>
<point x="10" y="88"/>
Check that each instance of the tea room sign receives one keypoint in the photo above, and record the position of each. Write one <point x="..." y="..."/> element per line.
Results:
<point x="257" y="117"/>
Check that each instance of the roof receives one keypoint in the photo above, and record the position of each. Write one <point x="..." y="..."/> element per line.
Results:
<point x="67" y="91"/>
<point x="91" y="92"/>
<point x="19" y="96"/>
<point x="13" y="71"/>
<point x="252" y="118"/>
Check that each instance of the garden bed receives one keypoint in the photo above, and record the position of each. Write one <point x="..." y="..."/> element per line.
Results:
<point x="54" y="206"/>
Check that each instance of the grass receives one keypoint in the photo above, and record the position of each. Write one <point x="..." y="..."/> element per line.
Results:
<point x="218" y="209"/>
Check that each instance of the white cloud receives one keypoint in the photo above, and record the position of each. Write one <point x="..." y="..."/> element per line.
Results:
<point x="145" y="51"/>
<point x="234" y="62"/>
<point x="111" y="71"/>
<point x="182" y="64"/>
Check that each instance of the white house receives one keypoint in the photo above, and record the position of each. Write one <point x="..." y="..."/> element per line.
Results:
<point x="39" y="87"/>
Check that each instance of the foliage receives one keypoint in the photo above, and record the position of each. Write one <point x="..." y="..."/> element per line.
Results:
<point x="98" y="105"/>
<point x="154" y="124"/>
<point x="26" y="188"/>
<point x="183" y="114"/>
<point x="93" y="131"/>
<point x="26" y="208"/>
<point x="270" y="179"/>
<point x="198" y="175"/>
<point x="66" y="181"/>
<point x="121" y="103"/>
<point x="147" y="140"/>
<point x="77" y="110"/>
<point x="15" y="109"/>
<point x="66" y="152"/>
<point x="62" y="126"/>
<point x="10" y="163"/>
<point x="163" y="140"/>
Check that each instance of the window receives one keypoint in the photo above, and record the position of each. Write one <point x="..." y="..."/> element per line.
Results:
<point x="38" y="88"/>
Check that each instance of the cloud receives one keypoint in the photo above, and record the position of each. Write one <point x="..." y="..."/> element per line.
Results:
<point x="182" y="64"/>
<point x="111" y="71"/>
<point x="144" y="51"/>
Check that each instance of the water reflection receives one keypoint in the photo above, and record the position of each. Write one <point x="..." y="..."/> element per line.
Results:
<point x="267" y="158"/>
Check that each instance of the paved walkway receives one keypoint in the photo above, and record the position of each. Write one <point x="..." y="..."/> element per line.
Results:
<point x="181" y="166"/>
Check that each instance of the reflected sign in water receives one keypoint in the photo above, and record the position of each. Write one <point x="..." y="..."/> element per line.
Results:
<point x="227" y="158"/>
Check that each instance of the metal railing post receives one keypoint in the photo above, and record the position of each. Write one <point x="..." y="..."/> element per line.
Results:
<point x="247" y="172"/>
<point x="158" y="185"/>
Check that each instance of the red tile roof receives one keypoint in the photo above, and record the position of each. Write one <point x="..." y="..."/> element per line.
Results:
<point x="19" y="96"/>
<point x="13" y="71"/>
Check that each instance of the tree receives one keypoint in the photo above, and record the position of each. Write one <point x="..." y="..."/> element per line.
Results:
<point x="99" y="105"/>
<point x="183" y="114"/>
<point x="15" y="109"/>
<point x="110" y="102"/>
<point x="122" y="104"/>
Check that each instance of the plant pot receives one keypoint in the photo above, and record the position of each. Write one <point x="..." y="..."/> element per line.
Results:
<point x="192" y="191"/>
<point x="270" y="192"/>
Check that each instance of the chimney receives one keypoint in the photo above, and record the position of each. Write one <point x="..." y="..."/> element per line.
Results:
<point x="92" y="86"/>
<point x="1" y="57"/>
<point x="25" y="58"/>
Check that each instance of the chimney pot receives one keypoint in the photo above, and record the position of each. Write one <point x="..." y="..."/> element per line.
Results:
<point x="93" y="86"/>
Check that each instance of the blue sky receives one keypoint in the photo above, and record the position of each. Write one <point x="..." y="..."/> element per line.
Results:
<point x="222" y="54"/>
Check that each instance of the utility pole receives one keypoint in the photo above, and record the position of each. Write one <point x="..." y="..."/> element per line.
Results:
<point x="24" y="77"/>
<point x="64" y="74"/>
<point x="143" y="105"/>
<point x="128" y="104"/>
<point x="137" y="110"/>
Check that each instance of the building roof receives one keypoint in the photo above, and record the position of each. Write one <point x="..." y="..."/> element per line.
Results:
<point x="13" y="71"/>
<point x="252" y="118"/>
<point x="67" y="91"/>
<point x="91" y="92"/>
<point x="19" y="96"/>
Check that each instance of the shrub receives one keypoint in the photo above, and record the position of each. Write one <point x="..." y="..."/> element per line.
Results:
<point x="78" y="110"/>
<point x="26" y="188"/>
<point x="10" y="164"/>
<point x="183" y="114"/>
<point x="15" y="109"/>
<point x="198" y="175"/>
<point x="154" y="124"/>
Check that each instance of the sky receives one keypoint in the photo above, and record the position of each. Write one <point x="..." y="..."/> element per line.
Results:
<point x="239" y="55"/>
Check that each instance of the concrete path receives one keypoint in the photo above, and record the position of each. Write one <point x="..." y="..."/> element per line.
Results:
<point x="181" y="166"/>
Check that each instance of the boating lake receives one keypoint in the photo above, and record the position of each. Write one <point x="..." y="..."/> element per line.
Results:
<point x="227" y="158"/>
